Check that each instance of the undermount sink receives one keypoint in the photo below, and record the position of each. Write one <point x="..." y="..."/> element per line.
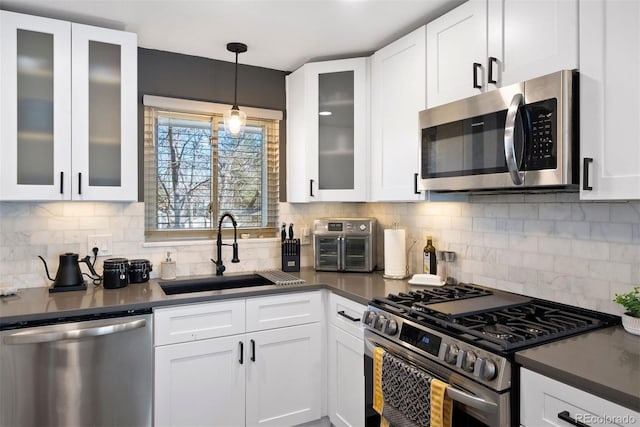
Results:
<point x="214" y="283"/>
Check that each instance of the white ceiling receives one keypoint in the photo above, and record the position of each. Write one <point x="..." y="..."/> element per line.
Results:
<point x="280" y="34"/>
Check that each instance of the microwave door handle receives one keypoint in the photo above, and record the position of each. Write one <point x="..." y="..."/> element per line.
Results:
<point x="509" y="135"/>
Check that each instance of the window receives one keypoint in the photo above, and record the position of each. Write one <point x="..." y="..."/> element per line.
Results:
<point x="195" y="171"/>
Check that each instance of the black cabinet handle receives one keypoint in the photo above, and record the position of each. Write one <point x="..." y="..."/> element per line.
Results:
<point x="253" y="351"/>
<point x="476" y="85"/>
<point x="311" y="188"/>
<point x="241" y="344"/>
<point x="492" y="61"/>
<point x="415" y="184"/>
<point x="79" y="182"/>
<point x="585" y="173"/>
<point x="61" y="182"/>
<point x="564" y="416"/>
<point x="353" y="319"/>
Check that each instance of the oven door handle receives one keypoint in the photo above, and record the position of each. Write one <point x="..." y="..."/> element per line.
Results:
<point x="473" y="402"/>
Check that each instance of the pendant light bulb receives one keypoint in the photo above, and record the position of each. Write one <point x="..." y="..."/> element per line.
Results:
<point x="234" y="119"/>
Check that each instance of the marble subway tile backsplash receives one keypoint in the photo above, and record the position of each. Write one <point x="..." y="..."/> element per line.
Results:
<point x="551" y="246"/>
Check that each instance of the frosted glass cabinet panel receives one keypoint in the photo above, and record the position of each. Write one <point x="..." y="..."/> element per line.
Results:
<point x="35" y="107"/>
<point x="68" y="126"/>
<point x="335" y="130"/>
<point x="34" y="125"/>
<point x="104" y="114"/>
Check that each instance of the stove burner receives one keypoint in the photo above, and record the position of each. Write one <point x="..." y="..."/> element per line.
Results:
<point x="499" y="329"/>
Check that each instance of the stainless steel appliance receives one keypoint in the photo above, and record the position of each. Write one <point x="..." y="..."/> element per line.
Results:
<point x="85" y="371"/>
<point x="466" y="336"/>
<point x="344" y="244"/>
<point x="519" y="136"/>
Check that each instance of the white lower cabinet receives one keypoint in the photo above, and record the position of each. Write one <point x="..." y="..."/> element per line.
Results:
<point x="206" y="373"/>
<point x="283" y="384"/>
<point x="345" y="362"/>
<point x="200" y="383"/>
<point x="547" y="402"/>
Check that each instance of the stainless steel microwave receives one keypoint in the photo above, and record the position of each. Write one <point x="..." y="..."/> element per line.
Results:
<point x="522" y="136"/>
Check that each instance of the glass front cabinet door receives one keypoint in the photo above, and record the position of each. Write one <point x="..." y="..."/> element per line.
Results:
<point x="63" y="135"/>
<point x="327" y="131"/>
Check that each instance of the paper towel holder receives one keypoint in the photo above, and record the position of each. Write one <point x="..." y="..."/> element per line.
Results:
<point x="394" y="243"/>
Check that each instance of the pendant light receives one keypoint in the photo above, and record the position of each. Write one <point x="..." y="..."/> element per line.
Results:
<point x="234" y="119"/>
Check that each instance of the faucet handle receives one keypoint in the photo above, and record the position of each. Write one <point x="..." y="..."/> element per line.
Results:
<point x="235" y="253"/>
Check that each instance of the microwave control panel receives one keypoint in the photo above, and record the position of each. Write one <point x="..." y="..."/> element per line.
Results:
<point x="542" y="146"/>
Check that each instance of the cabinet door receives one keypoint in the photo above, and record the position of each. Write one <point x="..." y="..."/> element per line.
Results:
<point x="398" y="93"/>
<point x="284" y="376"/>
<point x="455" y="42"/>
<point x="298" y="179"/>
<point x="35" y="107"/>
<point x="200" y="383"/>
<point x="547" y="402"/>
<point x="337" y="129"/>
<point x="610" y="99"/>
<point x="531" y="39"/>
<point x="346" y="378"/>
<point x="104" y="128"/>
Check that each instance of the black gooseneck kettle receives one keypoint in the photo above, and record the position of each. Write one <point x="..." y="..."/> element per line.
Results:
<point x="69" y="275"/>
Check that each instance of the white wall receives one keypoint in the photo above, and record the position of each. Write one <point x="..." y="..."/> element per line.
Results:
<point x="550" y="245"/>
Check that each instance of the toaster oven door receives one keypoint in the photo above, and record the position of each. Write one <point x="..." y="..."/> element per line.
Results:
<point x="327" y="253"/>
<point x="356" y="253"/>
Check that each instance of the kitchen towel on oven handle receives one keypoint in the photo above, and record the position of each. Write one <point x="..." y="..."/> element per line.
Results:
<point x="406" y="393"/>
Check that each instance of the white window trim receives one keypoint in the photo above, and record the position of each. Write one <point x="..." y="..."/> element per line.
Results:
<point x="203" y="107"/>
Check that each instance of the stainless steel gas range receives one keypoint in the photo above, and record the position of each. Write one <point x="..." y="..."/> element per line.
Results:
<point x="466" y="335"/>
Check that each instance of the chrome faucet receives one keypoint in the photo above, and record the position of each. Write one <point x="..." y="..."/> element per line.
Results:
<point x="219" y="265"/>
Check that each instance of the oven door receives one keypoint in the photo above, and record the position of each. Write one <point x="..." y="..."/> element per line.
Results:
<point x="473" y="404"/>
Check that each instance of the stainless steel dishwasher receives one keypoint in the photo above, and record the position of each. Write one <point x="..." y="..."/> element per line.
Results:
<point x="78" y="372"/>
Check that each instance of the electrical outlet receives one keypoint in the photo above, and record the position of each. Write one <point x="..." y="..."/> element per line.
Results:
<point x="103" y="242"/>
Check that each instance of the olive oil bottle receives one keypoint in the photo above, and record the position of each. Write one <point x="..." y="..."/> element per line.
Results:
<point x="429" y="265"/>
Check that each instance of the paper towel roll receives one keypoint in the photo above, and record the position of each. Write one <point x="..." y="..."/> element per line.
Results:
<point x="395" y="254"/>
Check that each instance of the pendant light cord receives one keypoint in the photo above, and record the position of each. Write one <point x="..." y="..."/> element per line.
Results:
<point x="235" y="92"/>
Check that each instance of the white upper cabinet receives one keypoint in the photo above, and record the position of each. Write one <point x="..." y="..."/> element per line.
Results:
<point x="35" y="131"/>
<point x="610" y="99"/>
<point x="485" y="44"/>
<point x="105" y="110"/>
<point x="69" y="111"/>
<point x="530" y="38"/>
<point x="456" y="53"/>
<point x="398" y="94"/>
<point x="327" y="131"/>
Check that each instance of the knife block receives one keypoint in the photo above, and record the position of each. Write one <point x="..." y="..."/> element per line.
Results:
<point x="291" y="255"/>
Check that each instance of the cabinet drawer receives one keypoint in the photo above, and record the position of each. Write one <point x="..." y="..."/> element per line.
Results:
<point x="346" y="315"/>
<point x="283" y="310"/>
<point x="542" y="399"/>
<point x="198" y="321"/>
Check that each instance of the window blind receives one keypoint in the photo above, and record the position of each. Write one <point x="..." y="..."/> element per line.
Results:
<point x="195" y="171"/>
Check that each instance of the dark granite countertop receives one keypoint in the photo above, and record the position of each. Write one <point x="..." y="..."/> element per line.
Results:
<point x="38" y="304"/>
<point x="605" y="363"/>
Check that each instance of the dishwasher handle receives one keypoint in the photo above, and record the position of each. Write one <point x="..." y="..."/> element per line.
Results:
<point x="33" y="337"/>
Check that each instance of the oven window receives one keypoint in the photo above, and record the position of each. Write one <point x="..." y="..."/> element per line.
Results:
<point x="472" y="146"/>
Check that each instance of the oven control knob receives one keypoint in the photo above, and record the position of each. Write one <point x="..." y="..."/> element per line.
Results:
<point x="379" y="322"/>
<point x="368" y="317"/>
<point x="391" y="327"/>
<point x="363" y="227"/>
<point x="490" y="370"/>
<point x="469" y="359"/>
<point x="452" y="354"/>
